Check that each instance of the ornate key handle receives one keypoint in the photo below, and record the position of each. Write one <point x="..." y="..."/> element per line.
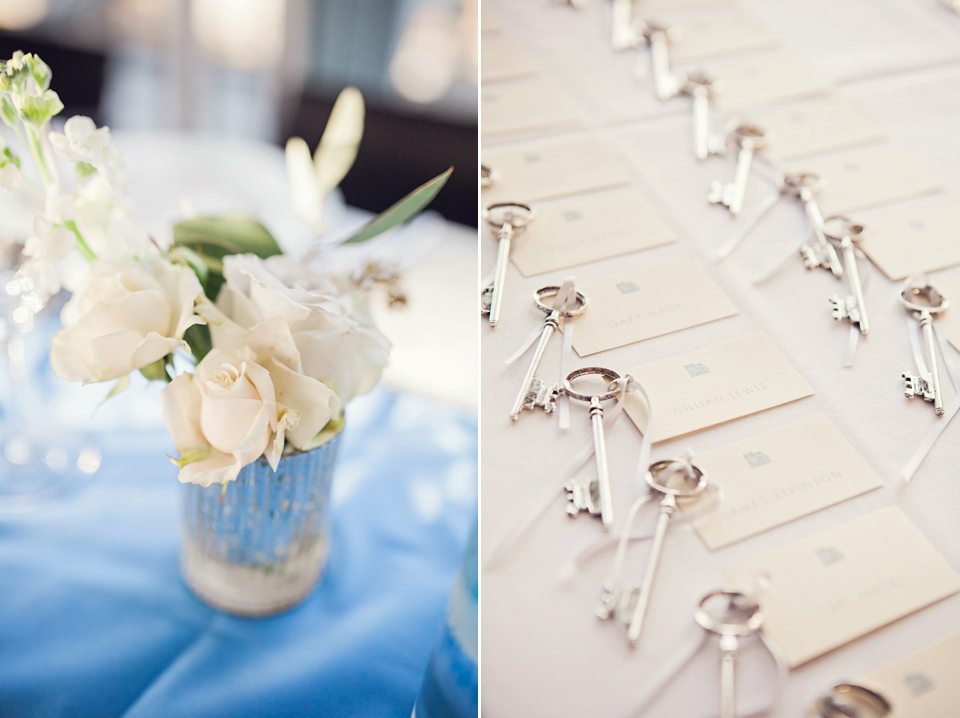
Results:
<point x="799" y="184"/>
<point x="752" y="135"/>
<point x="545" y="293"/>
<point x="694" y="481"/>
<point x="846" y="700"/>
<point x="488" y="176"/>
<point x="533" y="392"/>
<point x="504" y="218"/>
<point x="847" y="234"/>
<point x="593" y="497"/>
<point x="926" y="303"/>
<point x="742" y="617"/>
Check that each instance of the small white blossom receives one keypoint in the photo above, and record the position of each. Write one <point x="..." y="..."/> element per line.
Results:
<point x="9" y="177"/>
<point x="82" y="141"/>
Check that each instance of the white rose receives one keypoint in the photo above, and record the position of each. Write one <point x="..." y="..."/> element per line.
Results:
<point x="315" y="325"/>
<point x="126" y="317"/>
<point x="221" y="418"/>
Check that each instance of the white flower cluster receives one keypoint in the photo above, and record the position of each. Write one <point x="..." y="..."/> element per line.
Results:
<point x="280" y="352"/>
<point x="290" y="349"/>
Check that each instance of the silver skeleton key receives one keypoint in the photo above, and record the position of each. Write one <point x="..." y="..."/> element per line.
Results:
<point x="702" y="89"/>
<point x="593" y="497"/>
<point x="805" y="186"/>
<point x="658" y="478"/>
<point x="846" y="700"/>
<point x="666" y="82"/>
<point x="750" y="139"/>
<point x="505" y="218"/>
<point x="741" y="617"/>
<point x="533" y="392"/>
<point x="852" y="307"/>
<point x="925" y="302"/>
<point x="624" y="34"/>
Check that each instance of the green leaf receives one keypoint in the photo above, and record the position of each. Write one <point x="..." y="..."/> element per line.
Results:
<point x="9" y="157"/>
<point x="403" y="211"/>
<point x="210" y="239"/>
<point x="8" y="112"/>
<point x="198" y="339"/>
<point x="220" y="236"/>
<point x="157" y="371"/>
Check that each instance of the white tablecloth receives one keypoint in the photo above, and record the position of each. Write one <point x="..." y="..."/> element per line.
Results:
<point x="544" y="653"/>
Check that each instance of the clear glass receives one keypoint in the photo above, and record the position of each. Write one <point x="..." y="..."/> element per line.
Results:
<point x="450" y="688"/>
<point x="259" y="545"/>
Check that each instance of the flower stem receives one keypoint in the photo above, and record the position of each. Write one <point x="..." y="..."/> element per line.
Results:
<point x="35" y="144"/>
<point x="82" y="245"/>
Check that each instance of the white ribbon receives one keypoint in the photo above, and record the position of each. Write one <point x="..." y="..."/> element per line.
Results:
<point x="781" y="669"/>
<point x="741" y="234"/>
<point x="624" y="385"/>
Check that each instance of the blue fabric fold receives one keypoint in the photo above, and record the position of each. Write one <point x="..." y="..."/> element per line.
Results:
<point x="96" y="621"/>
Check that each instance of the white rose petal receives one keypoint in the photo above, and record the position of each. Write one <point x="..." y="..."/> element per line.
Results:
<point x="125" y="318"/>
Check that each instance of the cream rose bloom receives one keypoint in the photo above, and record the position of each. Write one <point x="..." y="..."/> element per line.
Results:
<point x="315" y="325"/>
<point x="126" y="317"/>
<point x="233" y="410"/>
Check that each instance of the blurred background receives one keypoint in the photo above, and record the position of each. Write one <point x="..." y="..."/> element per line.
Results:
<point x="271" y="69"/>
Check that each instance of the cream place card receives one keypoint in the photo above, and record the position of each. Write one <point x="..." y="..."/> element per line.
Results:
<point x="501" y="59"/>
<point x="765" y="79"/>
<point x="840" y="584"/>
<point x="924" y="685"/>
<point x="648" y="303"/>
<point x="716" y="29"/>
<point x="868" y="177"/>
<point x="914" y="242"/>
<point x="588" y="228"/>
<point x="554" y="170"/>
<point x="713" y="385"/>
<point x="527" y="104"/>
<point x="774" y="478"/>
<point x="949" y="321"/>
<point x="810" y="127"/>
<point x="489" y="22"/>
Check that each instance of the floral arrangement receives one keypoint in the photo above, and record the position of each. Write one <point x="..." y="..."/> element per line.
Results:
<point x="273" y="349"/>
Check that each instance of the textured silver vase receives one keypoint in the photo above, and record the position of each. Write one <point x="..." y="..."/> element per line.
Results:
<point x="259" y="546"/>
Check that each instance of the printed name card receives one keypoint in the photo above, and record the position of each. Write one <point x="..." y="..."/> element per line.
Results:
<point x="949" y="321"/>
<point x="527" y="104"/>
<point x="501" y="59"/>
<point x="914" y="242"/>
<point x="867" y="177"/>
<point x="712" y="30"/>
<point x="765" y="79"/>
<point x="553" y="170"/>
<point x="810" y="127"/>
<point x="924" y="685"/>
<point x="589" y="228"/>
<point x="779" y="476"/>
<point x="713" y="385"/>
<point x="840" y="584"/>
<point x="648" y="303"/>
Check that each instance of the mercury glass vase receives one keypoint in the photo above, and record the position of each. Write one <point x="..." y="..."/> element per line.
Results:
<point x="258" y="546"/>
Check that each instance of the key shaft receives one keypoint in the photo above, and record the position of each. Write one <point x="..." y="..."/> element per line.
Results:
<point x="729" y="655"/>
<point x="853" y="275"/>
<point x="828" y="255"/>
<point x="930" y="342"/>
<point x="667" y="508"/>
<point x="504" y="239"/>
<point x="603" y="473"/>
<point x="550" y="325"/>
<point x="666" y="83"/>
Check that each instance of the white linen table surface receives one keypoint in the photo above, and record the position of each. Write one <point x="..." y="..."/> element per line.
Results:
<point x="544" y="653"/>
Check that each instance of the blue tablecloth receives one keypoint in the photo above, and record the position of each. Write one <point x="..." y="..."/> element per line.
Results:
<point x="96" y="621"/>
